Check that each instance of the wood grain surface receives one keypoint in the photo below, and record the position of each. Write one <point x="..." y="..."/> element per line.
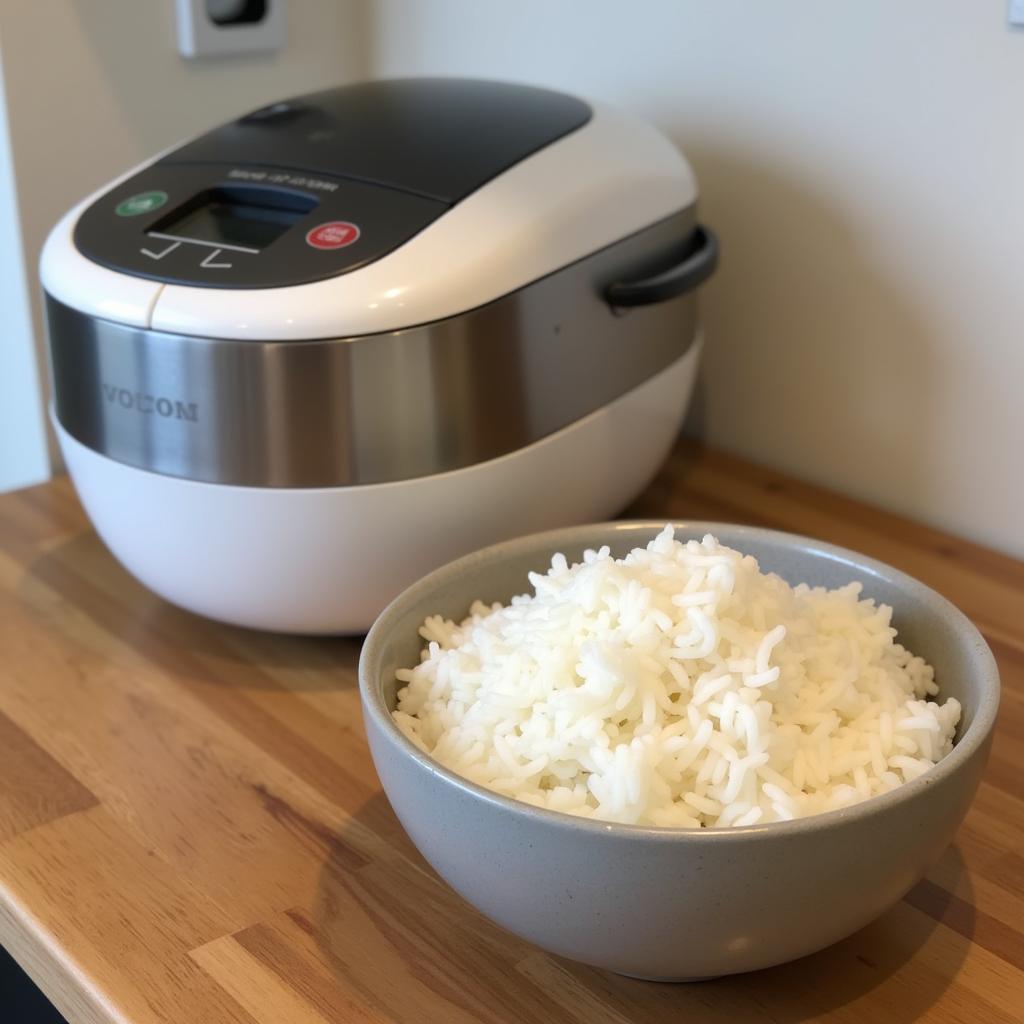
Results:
<point x="191" y="830"/>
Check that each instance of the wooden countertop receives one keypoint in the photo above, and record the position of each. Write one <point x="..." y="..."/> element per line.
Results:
<point x="191" y="829"/>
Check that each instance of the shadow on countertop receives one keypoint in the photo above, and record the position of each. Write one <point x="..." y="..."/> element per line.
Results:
<point x="186" y="646"/>
<point x="391" y="928"/>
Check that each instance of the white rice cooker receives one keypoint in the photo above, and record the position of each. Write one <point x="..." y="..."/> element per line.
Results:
<point x="316" y="352"/>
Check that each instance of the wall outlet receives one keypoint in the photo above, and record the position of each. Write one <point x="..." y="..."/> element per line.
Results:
<point x="215" y="28"/>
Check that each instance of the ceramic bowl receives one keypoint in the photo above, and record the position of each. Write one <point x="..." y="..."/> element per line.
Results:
<point x="678" y="904"/>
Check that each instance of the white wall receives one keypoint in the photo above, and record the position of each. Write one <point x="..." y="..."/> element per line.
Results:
<point x="23" y="458"/>
<point x="94" y="87"/>
<point x="861" y="162"/>
<point x="864" y="166"/>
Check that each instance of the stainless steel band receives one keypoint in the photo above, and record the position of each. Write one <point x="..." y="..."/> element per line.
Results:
<point x="370" y="409"/>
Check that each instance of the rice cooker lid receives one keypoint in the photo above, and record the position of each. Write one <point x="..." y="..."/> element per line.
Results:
<point x="320" y="185"/>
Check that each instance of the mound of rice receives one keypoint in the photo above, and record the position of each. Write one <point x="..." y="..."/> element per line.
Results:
<point x="677" y="686"/>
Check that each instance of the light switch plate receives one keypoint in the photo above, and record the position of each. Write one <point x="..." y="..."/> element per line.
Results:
<point x="1016" y="12"/>
<point x="214" y="28"/>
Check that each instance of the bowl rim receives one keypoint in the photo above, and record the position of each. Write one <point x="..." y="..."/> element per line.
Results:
<point x="976" y="735"/>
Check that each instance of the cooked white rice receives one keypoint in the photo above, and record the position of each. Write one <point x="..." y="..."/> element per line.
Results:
<point x="676" y="686"/>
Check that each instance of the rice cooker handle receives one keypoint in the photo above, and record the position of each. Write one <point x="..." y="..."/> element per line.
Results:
<point x="683" y="277"/>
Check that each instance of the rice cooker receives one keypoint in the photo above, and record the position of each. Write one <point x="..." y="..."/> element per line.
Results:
<point x="315" y="352"/>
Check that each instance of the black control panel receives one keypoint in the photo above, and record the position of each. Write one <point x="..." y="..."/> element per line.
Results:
<point x="225" y="226"/>
<point x="317" y="186"/>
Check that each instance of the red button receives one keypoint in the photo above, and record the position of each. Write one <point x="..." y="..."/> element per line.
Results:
<point x="335" y="234"/>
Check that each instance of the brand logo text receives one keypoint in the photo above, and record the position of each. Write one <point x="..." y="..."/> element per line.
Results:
<point x="151" y="405"/>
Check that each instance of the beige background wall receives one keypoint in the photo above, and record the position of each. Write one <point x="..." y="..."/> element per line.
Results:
<point x="864" y="165"/>
<point x="96" y="86"/>
<point x="23" y="455"/>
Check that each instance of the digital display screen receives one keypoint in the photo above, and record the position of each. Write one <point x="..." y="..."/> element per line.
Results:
<point x="246" y="218"/>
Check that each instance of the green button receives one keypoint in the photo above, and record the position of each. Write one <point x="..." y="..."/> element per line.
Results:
<point x="142" y="203"/>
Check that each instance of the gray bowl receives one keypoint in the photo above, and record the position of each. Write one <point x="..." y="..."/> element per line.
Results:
<point x="676" y="904"/>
